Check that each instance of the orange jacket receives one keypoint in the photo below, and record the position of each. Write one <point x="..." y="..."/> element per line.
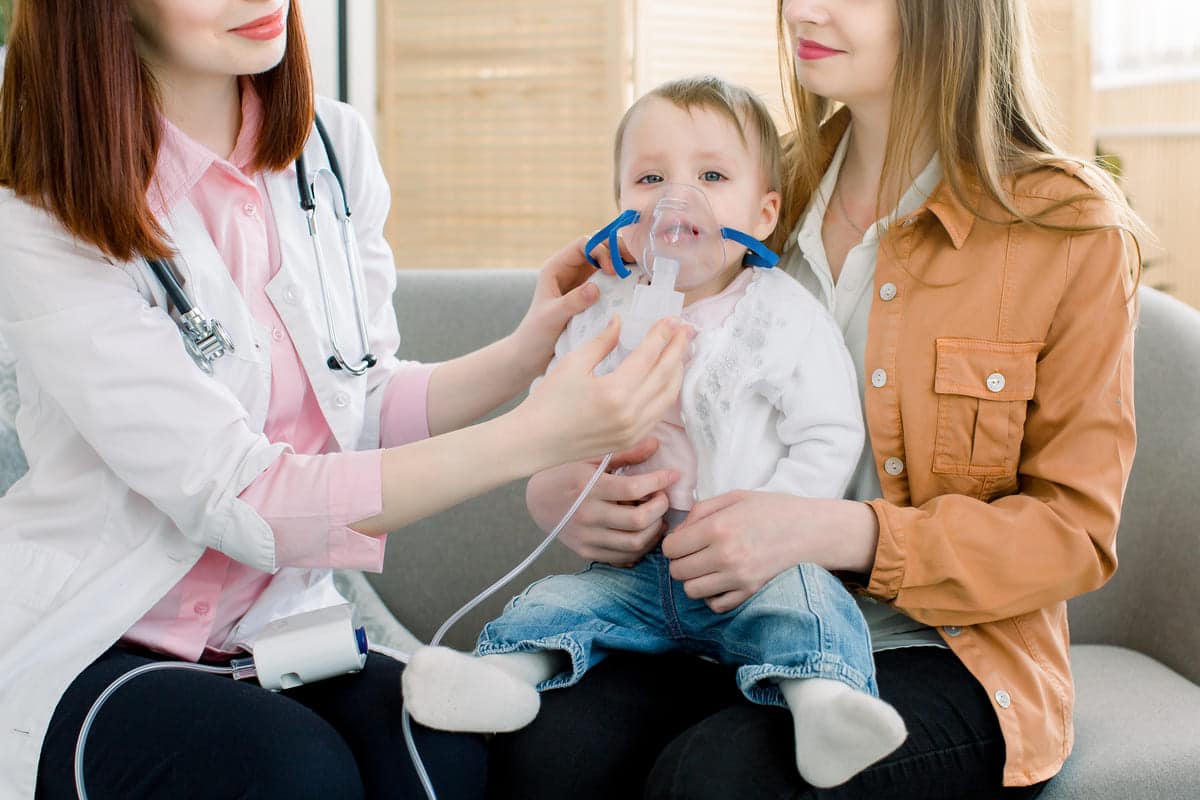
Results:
<point x="1003" y="438"/>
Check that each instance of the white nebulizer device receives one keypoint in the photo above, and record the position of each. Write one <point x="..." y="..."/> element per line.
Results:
<point x="309" y="647"/>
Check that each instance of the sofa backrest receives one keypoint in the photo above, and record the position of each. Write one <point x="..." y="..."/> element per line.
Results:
<point x="436" y="565"/>
<point x="1151" y="603"/>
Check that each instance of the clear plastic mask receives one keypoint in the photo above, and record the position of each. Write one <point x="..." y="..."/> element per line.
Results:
<point x="681" y="228"/>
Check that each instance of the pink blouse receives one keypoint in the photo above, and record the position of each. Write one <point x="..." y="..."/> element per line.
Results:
<point x="310" y="495"/>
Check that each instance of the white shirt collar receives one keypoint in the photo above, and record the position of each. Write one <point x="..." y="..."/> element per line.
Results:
<point x="916" y="195"/>
<point x="808" y="235"/>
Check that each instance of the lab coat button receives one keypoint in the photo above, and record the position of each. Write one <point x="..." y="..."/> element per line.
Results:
<point x="202" y="608"/>
<point x="887" y="292"/>
<point x="250" y="209"/>
<point x="341" y="400"/>
<point x="952" y="630"/>
<point x="1003" y="699"/>
<point x="879" y="378"/>
<point x="995" y="382"/>
<point x="893" y="466"/>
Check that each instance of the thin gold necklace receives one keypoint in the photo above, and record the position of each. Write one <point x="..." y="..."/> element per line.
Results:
<point x="846" y="214"/>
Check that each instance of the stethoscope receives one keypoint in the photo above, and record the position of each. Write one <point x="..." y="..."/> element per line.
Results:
<point x="206" y="339"/>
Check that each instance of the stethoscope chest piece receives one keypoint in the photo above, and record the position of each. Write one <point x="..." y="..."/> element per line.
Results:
<point x="205" y="340"/>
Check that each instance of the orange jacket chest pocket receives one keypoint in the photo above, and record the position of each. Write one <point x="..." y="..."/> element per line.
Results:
<point x="983" y="388"/>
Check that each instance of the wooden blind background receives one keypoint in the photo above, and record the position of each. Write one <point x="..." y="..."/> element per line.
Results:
<point x="494" y="125"/>
<point x="1062" y="34"/>
<point x="735" y="40"/>
<point x="1154" y="130"/>
<point x="496" y="116"/>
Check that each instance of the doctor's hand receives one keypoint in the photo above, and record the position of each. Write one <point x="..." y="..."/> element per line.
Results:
<point x="620" y="520"/>
<point x="575" y="414"/>
<point x="731" y="545"/>
<point x="562" y="291"/>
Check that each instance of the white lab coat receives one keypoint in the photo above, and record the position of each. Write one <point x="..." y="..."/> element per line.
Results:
<point x="137" y="457"/>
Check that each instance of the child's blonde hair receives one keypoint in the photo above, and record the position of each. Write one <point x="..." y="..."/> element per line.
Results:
<point x="738" y="104"/>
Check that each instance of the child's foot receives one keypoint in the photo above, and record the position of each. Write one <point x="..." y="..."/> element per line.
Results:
<point x="839" y="731"/>
<point x="453" y="691"/>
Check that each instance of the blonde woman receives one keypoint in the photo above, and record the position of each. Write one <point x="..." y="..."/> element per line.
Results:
<point x="984" y="283"/>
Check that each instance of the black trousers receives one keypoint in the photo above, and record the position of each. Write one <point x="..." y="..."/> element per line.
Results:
<point x="676" y="727"/>
<point x="184" y="734"/>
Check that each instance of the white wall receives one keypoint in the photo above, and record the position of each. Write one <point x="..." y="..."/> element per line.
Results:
<point x="320" y="24"/>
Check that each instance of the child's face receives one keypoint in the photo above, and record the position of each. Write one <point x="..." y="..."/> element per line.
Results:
<point x="700" y="148"/>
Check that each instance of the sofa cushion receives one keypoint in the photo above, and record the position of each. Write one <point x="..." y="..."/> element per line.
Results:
<point x="1137" y="730"/>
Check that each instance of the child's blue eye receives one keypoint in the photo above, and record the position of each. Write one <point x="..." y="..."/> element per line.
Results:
<point x="650" y="179"/>
<point x="711" y="176"/>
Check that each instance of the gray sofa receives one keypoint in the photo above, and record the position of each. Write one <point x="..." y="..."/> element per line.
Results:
<point x="1136" y="642"/>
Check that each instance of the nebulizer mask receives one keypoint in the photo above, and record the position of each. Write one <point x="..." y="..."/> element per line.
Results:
<point x="679" y="246"/>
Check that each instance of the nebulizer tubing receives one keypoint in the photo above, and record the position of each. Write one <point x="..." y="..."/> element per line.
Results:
<point x="239" y="668"/>
<point x="405" y="720"/>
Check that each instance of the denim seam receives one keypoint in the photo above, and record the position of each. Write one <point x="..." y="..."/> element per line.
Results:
<point x="666" y="591"/>
<point x="561" y="642"/>
<point x="750" y="679"/>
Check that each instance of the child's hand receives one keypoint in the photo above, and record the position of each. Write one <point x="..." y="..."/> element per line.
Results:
<point x="622" y="518"/>
<point x="575" y="414"/>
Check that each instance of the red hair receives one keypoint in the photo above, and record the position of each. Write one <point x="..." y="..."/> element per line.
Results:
<point x="80" y="120"/>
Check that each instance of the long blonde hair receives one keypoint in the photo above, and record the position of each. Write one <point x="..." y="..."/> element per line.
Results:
<point x="968" y="65"/>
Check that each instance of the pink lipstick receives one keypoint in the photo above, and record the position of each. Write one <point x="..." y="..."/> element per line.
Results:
<point x="263" y="29"/>
<point x="809" y="50"/>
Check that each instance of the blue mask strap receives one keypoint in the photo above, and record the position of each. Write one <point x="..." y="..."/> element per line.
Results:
<point x="758" y="254"/>
<point x="609" y="232"/>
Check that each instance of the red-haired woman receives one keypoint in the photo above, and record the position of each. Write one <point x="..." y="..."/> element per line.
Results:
<point x="171" y="511"/>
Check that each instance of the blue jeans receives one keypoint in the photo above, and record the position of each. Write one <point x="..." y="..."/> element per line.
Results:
<point x="803" y="624"/>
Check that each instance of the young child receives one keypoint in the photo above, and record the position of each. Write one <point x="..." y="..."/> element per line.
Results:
<point x="769" y="402"/>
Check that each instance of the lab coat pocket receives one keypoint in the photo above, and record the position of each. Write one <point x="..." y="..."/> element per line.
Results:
<point x="983" y="389"/>
<point x="32" y="575"/>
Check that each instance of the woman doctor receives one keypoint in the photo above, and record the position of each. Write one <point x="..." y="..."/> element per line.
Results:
<point x="168" y="514"/>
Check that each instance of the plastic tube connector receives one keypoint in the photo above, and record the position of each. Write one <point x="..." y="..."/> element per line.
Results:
<point x="652" y="302"/>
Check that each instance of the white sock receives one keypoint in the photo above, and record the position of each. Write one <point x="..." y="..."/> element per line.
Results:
<point x="839" y="731"/>
<point x="453" y="691"/>
<point x="532" y="667"/>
